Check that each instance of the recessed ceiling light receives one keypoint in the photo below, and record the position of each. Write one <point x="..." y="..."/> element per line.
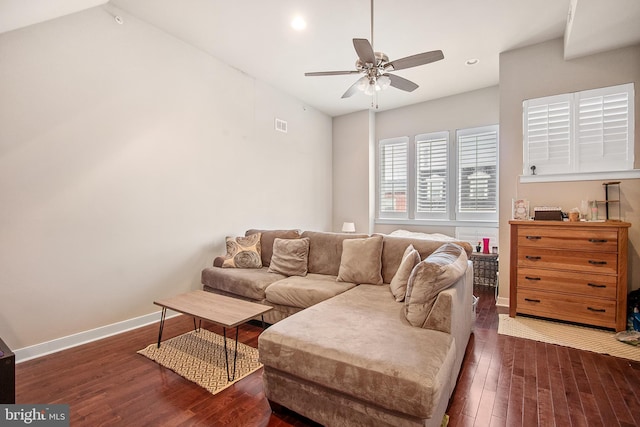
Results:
<point x="298" y="23"/>
<point x="471" y="61"/>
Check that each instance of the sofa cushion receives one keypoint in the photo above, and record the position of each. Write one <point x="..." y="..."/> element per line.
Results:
<point x="361" y="261"/>
<point x="325" y="250"/>
<point x="267" y="238"/>
<point x="290" y="256"/>
<point x="393" y="248"/>
<point x="440" y="270"/>
<point x="249" y="283"/>
<point x="359" y="344"/>
<point x="303" y="292"/>
<point x="243" y="252"/>
<point x="398" y="285"/>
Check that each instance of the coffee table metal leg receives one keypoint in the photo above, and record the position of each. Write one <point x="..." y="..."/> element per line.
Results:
<point x="162" y="317"/>
<point x="235" y="354"/>
<point x="199" y="326"/>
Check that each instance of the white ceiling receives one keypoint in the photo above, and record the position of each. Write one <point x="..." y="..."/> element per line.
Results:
<point x="255" y="37"/>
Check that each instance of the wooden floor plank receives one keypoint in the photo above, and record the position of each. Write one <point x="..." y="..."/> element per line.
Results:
<point x="504" y="382"/>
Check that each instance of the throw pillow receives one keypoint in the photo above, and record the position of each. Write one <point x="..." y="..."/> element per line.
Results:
<point x="437" y="272"/>
<point x="290" y="256"/>
<point x="398" y="285"/>
<point x="243" y="252"/>
<point x="361" y="261"/>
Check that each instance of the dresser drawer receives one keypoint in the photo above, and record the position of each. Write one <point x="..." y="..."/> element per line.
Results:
<point x="573" y="239"/>
<point x="589" y="285"/>
<point x="593" y="262"/>
<point x="593" y="311"/>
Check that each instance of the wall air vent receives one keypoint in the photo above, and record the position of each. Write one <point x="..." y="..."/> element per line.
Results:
<point x="281" y="125"/>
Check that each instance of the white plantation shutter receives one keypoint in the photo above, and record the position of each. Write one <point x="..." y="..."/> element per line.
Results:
<point x="392" y="179"/>
<point x="547" y="125"/>
<point x="604" y="129"/>
<point x="478" y="172"/>
<point x="432" y="171"/>
<point x="582" y="132"/>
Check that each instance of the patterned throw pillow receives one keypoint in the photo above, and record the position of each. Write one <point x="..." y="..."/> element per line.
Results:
<point x="243" y="252"/>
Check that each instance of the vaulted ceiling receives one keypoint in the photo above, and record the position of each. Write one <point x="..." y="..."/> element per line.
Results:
<point x="255" y="36"/>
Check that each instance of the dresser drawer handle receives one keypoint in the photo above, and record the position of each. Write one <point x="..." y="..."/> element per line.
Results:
<point x="534" y="237"/>
<point x="531" y="257"/>
<point x="593" y="285"/>
<point x="598" y="310"/>
<point x="532" y="278"/>
<point x="598" y="240"/>
<point x="597" y="262"/>
<point x="531" y="300"/>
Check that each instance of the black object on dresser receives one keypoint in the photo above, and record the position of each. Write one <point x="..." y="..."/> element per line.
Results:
<point x="7" y="375"/>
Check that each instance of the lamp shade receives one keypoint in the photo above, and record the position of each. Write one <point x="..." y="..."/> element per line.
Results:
<point x="348" y="227"/>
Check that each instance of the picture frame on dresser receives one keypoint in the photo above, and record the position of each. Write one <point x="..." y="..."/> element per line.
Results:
<point x="519" y="209"/>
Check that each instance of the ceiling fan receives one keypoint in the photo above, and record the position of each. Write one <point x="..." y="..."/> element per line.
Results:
<point x="374" y="67"/>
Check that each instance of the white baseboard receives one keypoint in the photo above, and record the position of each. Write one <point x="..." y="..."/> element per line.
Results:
<point x="59" y="344"/>
<point x="502" y="302"/>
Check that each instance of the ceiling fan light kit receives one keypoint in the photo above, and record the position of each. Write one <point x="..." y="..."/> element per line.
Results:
<point x="374" y="68"/>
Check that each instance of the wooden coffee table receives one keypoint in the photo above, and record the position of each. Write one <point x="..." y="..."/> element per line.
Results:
<point x="223" y="311"/>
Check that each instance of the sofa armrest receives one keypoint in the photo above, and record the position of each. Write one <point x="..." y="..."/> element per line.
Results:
<point x="451" y="312"/>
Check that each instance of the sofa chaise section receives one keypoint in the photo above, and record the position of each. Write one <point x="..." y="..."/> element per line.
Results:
<point x="354" y="359"/>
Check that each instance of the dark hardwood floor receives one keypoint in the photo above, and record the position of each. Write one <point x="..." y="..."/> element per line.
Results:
<point x="504" y="381"/>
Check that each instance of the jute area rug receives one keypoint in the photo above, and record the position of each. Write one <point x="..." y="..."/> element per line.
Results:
<point x="199" y="357"/>
<point x="580" y="337"/>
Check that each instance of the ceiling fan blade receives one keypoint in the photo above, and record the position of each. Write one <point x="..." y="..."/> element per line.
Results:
<point x="364" y="51"/>
<point x="354" y="87"/>
<point x="330" y="73"/>
<point x="415" y="60"/>
<point x="402" y="83"/>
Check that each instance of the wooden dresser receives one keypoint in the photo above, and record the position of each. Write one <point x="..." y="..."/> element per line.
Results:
<point x="572" y="271"/>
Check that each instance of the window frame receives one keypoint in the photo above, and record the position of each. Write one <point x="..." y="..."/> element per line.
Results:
<point x="477" y="215"/>
<point x="574" y="169"/>
<point x="451" y="216"/>
<point x="379" y="176"/>
<point x="431" y="137"/>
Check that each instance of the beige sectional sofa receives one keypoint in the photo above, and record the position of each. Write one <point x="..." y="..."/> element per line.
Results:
<point x="344" y="353"/>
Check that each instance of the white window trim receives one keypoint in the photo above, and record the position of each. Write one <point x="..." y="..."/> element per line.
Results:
<point x="589" y="176"/>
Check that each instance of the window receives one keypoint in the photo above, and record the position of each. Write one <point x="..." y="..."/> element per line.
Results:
<point x="392" y="184"/>
<point x="432" y="169"/>
<point x="477" y="173"/>
<point x="436" y="178"/>
<point x="582" y="132"/>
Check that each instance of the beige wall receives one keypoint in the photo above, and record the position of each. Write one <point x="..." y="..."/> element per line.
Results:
<point x="351" y="170"/>
<point x="126" y="156"/>
<point x="538" y="71"/>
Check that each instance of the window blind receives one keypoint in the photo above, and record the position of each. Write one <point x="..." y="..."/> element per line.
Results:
<point x="392" y="187"/>
<point x="603" y="124"/>
<point x="547" y="132"/>
<point x="431" y="173"/>
<point x="478" y="170"/>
